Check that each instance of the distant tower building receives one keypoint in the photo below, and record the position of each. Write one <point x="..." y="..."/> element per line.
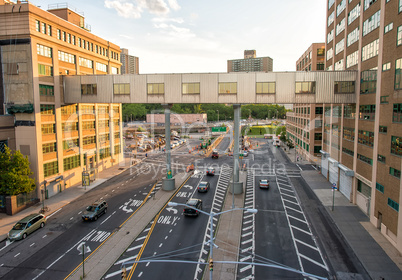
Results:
<point x="129" y="63"/>
<point x="250" y="63"/>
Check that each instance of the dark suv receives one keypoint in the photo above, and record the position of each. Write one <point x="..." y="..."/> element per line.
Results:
<point x="92" y="212"/>
<point x="194" y="202"/>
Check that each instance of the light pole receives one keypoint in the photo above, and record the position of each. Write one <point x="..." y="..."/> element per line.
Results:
<point x="218" y="114"/>
<point x="211" y="236"/>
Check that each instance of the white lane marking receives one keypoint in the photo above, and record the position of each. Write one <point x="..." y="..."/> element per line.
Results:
<point x="166" y="237"/>
<point x="139" y="275"/>
<point x="247" y="241"/>
<point x="313" y="261"/>
<point x="147" y="263"/>
<point x="31" y="244"/>
<point x="79" y="212"/>
<point x="134" y="248"/>
<point x="141" y="238"/>
<point x="1" y="264"/>
<point x="247" y="234"/>
<point x="112" y="190"/>
<point x="306" y="244"/>
<point x="314" y="167"/>
<point x="17" y="255"/>
<point x="71" y="218"/>
<point x="54" y="212"/>
<point x="295" y="203"/>
<point x="245" y="268"/>
<point x="160" y="245"/>
<point x="127" y="259"/>
<point x="299" y="167"/>
<point x="297" y="219"/>
<point x="75" y="245"/>
<point x="245" y="258"/>
<point x="302" y="230"/>
<point x="117" y="272"/>
<point x="147" y="229"/>
<point x="44" y="236"/>
<point x="106" y="219"/>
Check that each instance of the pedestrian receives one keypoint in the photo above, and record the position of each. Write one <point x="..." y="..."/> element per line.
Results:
<point x="146" y="154"/>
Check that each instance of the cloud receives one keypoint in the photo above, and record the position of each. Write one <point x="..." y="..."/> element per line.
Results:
<point x="164" y="19"/>
<point x="174" y="5"/>
<point x="134" y="8"/>
<point x="174" y="31"/>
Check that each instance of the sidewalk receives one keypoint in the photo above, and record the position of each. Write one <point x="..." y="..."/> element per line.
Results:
<point x="59" y="200"/>
<point x="380" y="259"/>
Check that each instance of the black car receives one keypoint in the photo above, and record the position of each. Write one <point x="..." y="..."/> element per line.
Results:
<point x="215" y="154"/>
<point x="203" y="187"/>
<point x="92" y="212"/>
<point x="211" y="171"/>
<point x="194" y="202"/>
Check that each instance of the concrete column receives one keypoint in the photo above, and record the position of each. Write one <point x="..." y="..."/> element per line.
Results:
<point x="168" y="183"/>
<point x="237" y="186"/>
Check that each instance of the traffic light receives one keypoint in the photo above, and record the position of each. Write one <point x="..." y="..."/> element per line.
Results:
<point x="123" y="273"/>
<point x="211" y="264"/>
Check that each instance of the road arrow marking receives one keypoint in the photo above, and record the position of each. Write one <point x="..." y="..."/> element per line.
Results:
<point x="188" y="187"/>
<point x="86" y="248"/>
<point x="172" y="209"/>
<point x="127" y="210"/>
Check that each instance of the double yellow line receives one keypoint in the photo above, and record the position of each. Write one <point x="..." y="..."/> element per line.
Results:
<point x="142" y="204"/>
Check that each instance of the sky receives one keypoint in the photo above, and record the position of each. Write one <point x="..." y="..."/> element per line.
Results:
<point x="199" y="36"/>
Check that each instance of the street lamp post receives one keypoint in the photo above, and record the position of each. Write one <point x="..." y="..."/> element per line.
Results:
<point x="211" y="217"/>
<point x="218" y="114"/>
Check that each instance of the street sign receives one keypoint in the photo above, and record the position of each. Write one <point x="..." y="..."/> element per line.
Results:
<point x="334" y="186"/>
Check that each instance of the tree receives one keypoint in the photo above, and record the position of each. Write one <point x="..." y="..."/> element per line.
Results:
<point x="282" y="136"/>
<point x="289" y="143"/>
<point x="14" y="173"/>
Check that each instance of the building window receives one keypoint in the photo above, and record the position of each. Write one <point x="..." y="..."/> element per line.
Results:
<point x="318" y="123"/>
<point x="388" y="28"/>
<point x="398" y="73"/>
<point x="58" y="34"/>
<point x="45" y="70"/>
<point x="368" y="81"/>
<point x="349" y="111"/>
<point x="341" y="7"/>
<point x="331" y="18"/>
<point x="365" y="159"/>
<point x="73" y="40"/>
<point x="320" y="66"/>
<point x="318" y="110"/>
<point x="348" y="152"/>
<point x="366" y="138"/>
<point x="117" y="149"/>
<point x="395" y="172"/>
<point x="399" y="36"/>
<point x="327" y="111"/>
<point x="368" y="3"/>
<point x="266" y="87"/>
<point x="384" y="99"/>
<point x="88" y="140"/>
<point x="400" y="5"/>
<point x="317" y="136"/>
<point x="86" y="62"/>
<point x="330" y="3"/>
<point x="101" y="67"/>
<point x="191" y="88"/>
<point x="69" y="126"/>
<point x="397" y="113"/>
<point x="393" y="204"/>
<point x="349" y="134"/>
<point x="71" y="162"/>
<point x="48" y="128"/>
<point x="340" y="46"/>
<point x="330" y="36"/>
<point x="88" y="109"/>
<point x="383" y="129"/>
<point x="367" y="112"/>
<point x="371" y="23"/>
<point x="317" y="149"/>
<point x="66" y="57"/>
<point x="396" y="145"/>
<point x="381" y="158"/>
<point x="379" y="187"/>
<point x="63" y="36"/>
<point x="89" y="89"/>
<point x="88" y="125"/>
<point x="354" y="14"/>
<point x="227" y="88"/>
<point x="43" y="50"/>
<point x="370" y="50"/>
<point x="121" y="88"/>
<point x="156" y="88"/>
<point x="115" y="70"/>
<point x="330" y="54"/>
<point x="49" y="30"/>
<point x="305" y="87"/>
<point x="352" y="59"/>
<point x="340" y="27"/>
<point x="49" y="148"/>
<point x="37" y="25"/>
<point x="339" y="65"/>
<point x="353" y="37"/>
<point x="386" y="66"/>
<point x="46" y="109"/>
<point x="46" y="90"/>
<point x="50" y="168"/>
<point x="43" y="28"/>
<point x="344" y="87"/>
<point x="104" y="153"/>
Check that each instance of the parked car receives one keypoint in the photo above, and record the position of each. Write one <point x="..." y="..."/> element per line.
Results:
<point x="194" y="202"/>
<point x="211" y="171"/>
<point x="203" y="187"/>
<point x="215" y="154"/>
<point x="26" y="226"/>
<point x="92" y="212"/>
<point x="264" y="184"/>
<point x="245" y="153"/>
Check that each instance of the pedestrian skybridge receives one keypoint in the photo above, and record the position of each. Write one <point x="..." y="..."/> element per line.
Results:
<point x="226" y="88"/>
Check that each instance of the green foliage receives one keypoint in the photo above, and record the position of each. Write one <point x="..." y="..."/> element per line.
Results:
<point x="289" y="143"/>
<point x="280" y="130"/>
<point x="282" y="136"/>
<point x="14" y="173"/>
<point x="140" y="129"/>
